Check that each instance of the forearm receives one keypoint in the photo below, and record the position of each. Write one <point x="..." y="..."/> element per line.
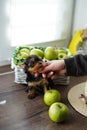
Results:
<point x="76" y="66"/>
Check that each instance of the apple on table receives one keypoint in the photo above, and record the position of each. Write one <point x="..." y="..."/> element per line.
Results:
<point x="58" y="112"/>
<point x="51" y="96"/>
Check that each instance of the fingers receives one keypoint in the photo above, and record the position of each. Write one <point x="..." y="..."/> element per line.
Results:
<point x="53" y="70"/>
<point x="47" y="68"/>
<point x="48" y="75"/>
<point x="51" y="75"/>
<point x="44" y="75"/>
<point x="62" y="72"/>
<point x="54" y="75"/>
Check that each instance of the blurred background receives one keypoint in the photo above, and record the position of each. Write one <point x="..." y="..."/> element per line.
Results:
<point x="39" y="23"/>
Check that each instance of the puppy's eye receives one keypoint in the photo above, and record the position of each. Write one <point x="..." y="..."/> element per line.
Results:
<point x="31" y="64"/>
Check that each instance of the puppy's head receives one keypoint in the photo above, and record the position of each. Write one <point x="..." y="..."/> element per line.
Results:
<point x="33" y="64"/>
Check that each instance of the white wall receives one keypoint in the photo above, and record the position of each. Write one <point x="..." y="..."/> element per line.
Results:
<point x="4" y="42"/>
<point x="6" y="50"/>
<point x="80" y="18"/>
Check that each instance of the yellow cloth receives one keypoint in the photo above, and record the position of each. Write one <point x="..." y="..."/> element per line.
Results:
<point x="75" y="41"/>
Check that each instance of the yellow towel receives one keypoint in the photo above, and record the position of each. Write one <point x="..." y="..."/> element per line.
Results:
<point x="75" y="41"/>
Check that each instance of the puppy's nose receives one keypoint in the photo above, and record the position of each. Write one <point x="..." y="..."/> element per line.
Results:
<point x="40" y="62"/>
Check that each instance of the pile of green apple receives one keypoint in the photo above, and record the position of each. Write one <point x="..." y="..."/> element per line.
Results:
<point x="51" y="53"/>
<point x="47" y="53"/>
<point x="22" y="52"/>
<point x="58" y="111"/>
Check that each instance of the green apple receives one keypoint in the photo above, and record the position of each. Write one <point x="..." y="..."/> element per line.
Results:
<point x="37" y="52"/>
<point x="50" y="53"/>
<point x="63" y="53"/>
<point x="25" y="50"/>
<point x="58" y="112"/>
<point x="62" y="56"/>
<point x="23" y="55"/>
<point x="62" y="50"/>
<point x="51" y="96"/>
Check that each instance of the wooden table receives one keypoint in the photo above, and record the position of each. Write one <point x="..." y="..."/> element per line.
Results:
<point x="20" y="113"/>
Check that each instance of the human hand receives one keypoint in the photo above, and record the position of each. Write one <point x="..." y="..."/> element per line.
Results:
<point x="53" y="69"/>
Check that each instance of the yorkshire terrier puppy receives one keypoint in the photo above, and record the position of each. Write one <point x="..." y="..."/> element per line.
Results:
<point x="32" y="65"/>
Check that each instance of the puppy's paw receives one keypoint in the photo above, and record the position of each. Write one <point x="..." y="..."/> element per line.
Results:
<point x="26" y="90"/>
<point x="31" y="94"/>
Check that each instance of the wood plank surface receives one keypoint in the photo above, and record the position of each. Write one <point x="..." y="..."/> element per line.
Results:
<point x="21" y="113"/>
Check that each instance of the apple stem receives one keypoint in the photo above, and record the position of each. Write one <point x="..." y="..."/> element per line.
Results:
<point x="59" y="106"/>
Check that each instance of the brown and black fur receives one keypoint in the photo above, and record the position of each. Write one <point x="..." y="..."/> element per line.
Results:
<point x="32" y="65"/>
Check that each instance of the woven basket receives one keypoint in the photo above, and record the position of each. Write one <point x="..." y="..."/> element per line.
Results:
<point x="20" y="76"/>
